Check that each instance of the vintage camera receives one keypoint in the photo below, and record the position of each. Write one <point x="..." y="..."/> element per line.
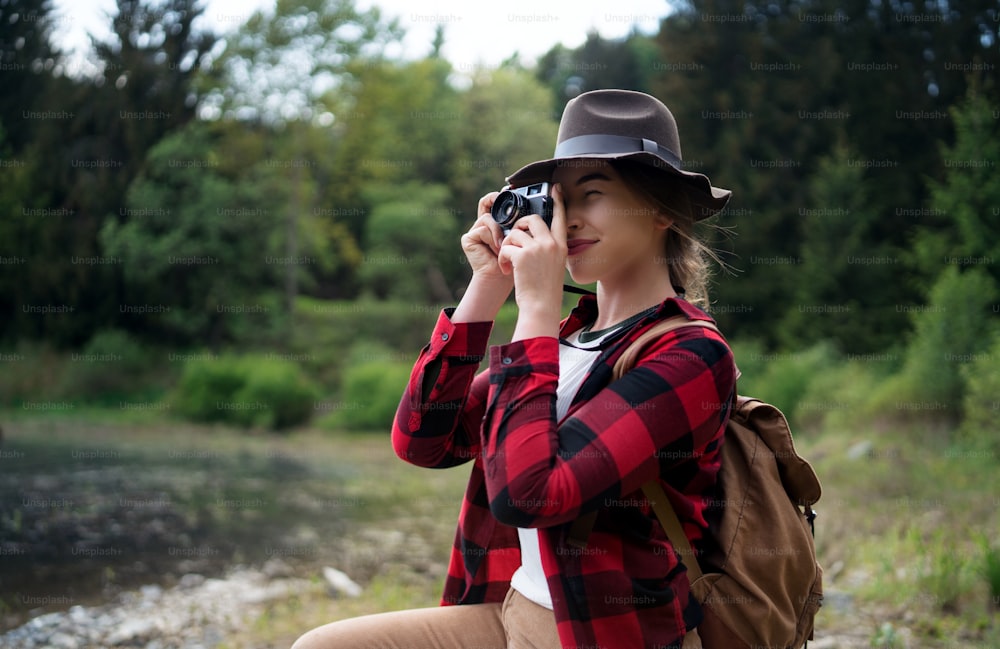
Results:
<point x="512" y="204"/>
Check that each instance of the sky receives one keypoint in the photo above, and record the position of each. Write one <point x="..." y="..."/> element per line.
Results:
<point x="483" y="33"/>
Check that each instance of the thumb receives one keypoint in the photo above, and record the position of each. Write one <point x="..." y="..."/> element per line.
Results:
<point x="558" y="226"/>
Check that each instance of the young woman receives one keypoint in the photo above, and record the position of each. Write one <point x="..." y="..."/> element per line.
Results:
<point x="550" y="436"/>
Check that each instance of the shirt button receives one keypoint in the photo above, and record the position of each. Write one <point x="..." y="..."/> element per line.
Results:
<point x="444" y="336"/>
<point x="507" y="360"/>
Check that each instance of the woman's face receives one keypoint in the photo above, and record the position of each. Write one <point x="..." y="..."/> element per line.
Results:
<point x="611" y="233"/>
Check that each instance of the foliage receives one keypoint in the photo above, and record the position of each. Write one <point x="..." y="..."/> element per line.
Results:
<point x="763" y="93"/>
<point x="275" y="395"/>
<point x="629" y="63"/>
<point x="838" y="397"/>
<point x="27" y="57"/>
<point x="966" y="202"/>
<point x="278" y="65"/>
<point x="372" y="385"/>
<point x="85" y="140"/>
<point x="991" y="569"/>
<point x="842" y="269"/>
<point x="112" y="366"/>
<point x="783" y="379"/>
<point x="195" y="242"/>
<point x="487" y="153"/>
<point x="325" y="329"/>
<point x="207" y="383"/>
<point x="981" y="402"/>
<point x="262" y="391"/>
<point x="945" y="575"/>
<point x="306" y="173"/>
<point x="410" y="237"/>
<point x="32" y="369"/>
<point x="395" y="123"/>
<point x="887" y="637"/>
<point x="949" y="331"/>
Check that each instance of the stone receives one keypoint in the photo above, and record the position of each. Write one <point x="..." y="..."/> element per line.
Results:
<point x="340" y="583"/>
<point x="151" y="593"/>
<point x="276" y="568"/>
<point x="63" y="641"/>
<point x="191" y="580"/>
<point x="860" y="450"/>
<point x="131" y="630"/>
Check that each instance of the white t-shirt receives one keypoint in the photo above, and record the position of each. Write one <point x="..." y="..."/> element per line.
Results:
<point x="575" y="360"/>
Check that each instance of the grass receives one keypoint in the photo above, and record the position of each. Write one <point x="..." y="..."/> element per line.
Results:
<point x="906" y="531"/>
<point x="900" y="532"/>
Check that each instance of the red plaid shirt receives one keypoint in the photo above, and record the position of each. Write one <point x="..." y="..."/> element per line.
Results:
<point x="663" y="420"/>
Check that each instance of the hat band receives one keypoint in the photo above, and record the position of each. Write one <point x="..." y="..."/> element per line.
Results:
<point x="599" y="144"/>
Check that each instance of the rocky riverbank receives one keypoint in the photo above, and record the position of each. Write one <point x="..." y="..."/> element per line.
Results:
<point x="197" y="613"/>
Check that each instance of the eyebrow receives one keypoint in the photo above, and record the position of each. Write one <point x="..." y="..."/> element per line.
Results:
<point x="594" y="176"/>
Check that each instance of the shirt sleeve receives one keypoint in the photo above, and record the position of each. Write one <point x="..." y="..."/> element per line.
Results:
<point x="439" y="416"/>
<point x="669" y="408"/>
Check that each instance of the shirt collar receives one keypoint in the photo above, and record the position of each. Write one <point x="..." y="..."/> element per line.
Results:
<point x="585" y="312"/>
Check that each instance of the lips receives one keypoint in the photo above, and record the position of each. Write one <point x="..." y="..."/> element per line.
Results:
<point x="576" y="246"/>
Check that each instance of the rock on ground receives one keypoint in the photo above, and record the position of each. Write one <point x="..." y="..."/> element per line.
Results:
<point x="196" y="613"/>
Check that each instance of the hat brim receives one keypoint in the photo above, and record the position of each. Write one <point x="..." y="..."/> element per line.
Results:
<point x="706" y="199"/>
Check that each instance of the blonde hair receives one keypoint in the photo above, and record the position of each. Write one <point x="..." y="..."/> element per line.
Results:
<point x="686" y="255"/>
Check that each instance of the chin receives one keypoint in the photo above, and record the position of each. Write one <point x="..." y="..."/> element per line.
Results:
<point x="580" y="278"/>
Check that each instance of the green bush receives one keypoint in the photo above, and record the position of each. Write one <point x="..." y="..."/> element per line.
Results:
<point x="369" y="396"/>
<point x="887" y="637"/>
<point x="205" y="384"/>
<point x="945" y="573"/>
<point x="981" y="404"/>
<point x="991" y="571"/>
<point x="29" y="372"/>
<point x="245" y="390"/>
<point x="752" y="361"/>
<point x="838" y="397"/>
<point x="113" y="365"/>
<point x="952" y="329"/>
<point x="324" y="329"/>
<point x="275" y="395"/>
<point x="782" y="378"/>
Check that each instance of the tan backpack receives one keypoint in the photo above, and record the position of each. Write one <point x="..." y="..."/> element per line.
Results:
<point x="764" y="587"/>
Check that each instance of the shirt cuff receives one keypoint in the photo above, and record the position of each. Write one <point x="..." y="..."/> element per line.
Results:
<point x="467" y="340"/>
<point x="536" y="355"/>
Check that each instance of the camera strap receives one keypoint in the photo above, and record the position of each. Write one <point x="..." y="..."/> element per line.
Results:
<point x="576" y="289"/>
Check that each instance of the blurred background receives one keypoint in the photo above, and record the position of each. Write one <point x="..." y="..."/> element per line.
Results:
<point x="226" y="231"/>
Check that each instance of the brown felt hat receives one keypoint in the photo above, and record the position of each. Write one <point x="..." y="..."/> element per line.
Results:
<point x="620" y="125"/>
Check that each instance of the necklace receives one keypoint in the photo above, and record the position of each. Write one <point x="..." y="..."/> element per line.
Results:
<point x="586" y="335"/>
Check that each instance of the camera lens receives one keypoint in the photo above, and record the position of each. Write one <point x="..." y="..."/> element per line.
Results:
<point x="509" y="207"/>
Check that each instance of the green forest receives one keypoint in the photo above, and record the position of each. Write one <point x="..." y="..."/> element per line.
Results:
<point x="199" y="193"/>
<point x="269" y="219"/>
<point x="202" y="194"/>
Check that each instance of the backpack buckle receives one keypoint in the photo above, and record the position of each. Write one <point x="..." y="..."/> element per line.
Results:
<point x="811" y="518"/>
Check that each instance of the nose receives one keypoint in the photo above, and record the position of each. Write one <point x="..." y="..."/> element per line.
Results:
<point x="572" y="217"/>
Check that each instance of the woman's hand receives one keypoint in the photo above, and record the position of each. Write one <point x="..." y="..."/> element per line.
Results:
<point x="482" y="242"/>
<point x="490" y="286"/>
<point x="536" y="257"/>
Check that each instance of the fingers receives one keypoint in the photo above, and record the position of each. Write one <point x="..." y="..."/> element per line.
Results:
<point x="527" y="232"/>
<point x="531" y="234"/>
<point x="487" y="220"/>
<point x="486" y="202"/>
<point x="533" y="228"/>
<point x="558" y="227"/>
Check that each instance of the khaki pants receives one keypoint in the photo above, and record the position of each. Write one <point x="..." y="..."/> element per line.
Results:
<point x="518" y="623"/>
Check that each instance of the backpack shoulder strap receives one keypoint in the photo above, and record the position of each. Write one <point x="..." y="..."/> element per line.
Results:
<point x="672" y="526"/>
<point x="631" y="354"/>
<point x="627" y="360"/>
<point x="664" y="511"/>
<point x="669" y="521"/>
